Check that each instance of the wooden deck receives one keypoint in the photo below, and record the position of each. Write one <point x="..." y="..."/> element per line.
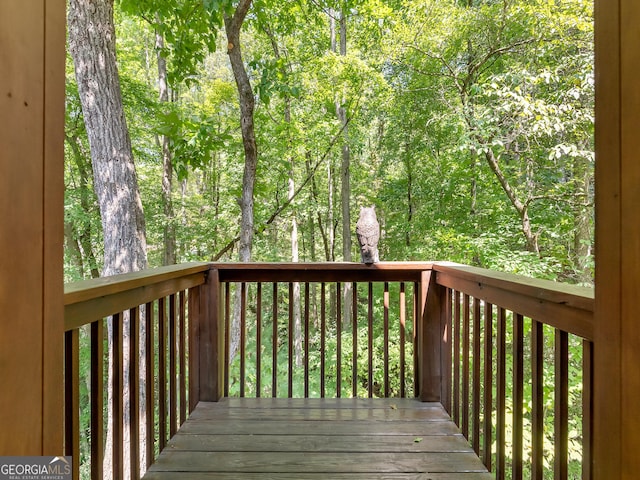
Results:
<point x="318" y="439"/>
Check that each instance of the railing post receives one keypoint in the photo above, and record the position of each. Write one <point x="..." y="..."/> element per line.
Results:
<point x="432" y="338"/>
<point x="211" y="345"/>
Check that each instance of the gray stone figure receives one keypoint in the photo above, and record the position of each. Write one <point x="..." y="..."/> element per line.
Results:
<point x="368" y="232"/>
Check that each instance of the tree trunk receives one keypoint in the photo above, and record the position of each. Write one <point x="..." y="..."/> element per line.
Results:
<point x="295" y="256"/>
<point x="521" y="207"/>
<point x="92" y="46"/>
<point x="72" y="247"/>
<point x="345" y="179"/>
<point x="582" y="251"/>
<point x="82" y="233"/>
<point x="409" y="167"/>
<point x="345" y="175"/>
<point x="168" y="226"/>
<point x="233" y="26"/>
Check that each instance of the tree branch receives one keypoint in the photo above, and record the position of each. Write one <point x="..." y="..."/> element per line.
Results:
<point x="290" y="199"/>
<point x="452" y="73"/>
<point x="235" y="22"/>
<point x="497" y="52"/>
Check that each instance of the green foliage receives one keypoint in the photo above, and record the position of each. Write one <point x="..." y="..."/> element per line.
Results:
<point x="189" y="28"/>
<point x="430" y="87"/>
<point x="330" y="345"/>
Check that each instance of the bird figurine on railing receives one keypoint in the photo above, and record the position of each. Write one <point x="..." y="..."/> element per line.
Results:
<point x="368" y="232"/>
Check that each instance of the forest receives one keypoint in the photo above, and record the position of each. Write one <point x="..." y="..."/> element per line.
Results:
<point x="468" y="124"/>
<point x="255" y="130"/>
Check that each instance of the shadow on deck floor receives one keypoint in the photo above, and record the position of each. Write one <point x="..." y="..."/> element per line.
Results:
<point x="318" y="439"/>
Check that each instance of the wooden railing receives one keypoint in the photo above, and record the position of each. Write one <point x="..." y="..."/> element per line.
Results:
<point x="150" y="322"/>
<point x="472" y="339"/>
<point x="354" y="333"/>
<point x="513" y="346"/>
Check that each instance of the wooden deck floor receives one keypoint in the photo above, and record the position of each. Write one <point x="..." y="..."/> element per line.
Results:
<point x="318" y="439"/>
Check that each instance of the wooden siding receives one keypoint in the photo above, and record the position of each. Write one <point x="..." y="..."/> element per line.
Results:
<point x="283" y="438"/>
<point x="617" y="336"/>
<point x="32" y="36"/>
<point x="608" y="224"/>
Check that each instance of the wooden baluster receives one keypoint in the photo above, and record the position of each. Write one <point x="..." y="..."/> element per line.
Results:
<point x="72" y="398"/>
<point x="403" y="324"/>
<point x="150" y="380"/>
<point x="354" y="333"/>
<point x="386" y="340"/>
<point x="587" y="410"/>
<point x="456" y="357"/>
<point x="323" y="325"/>
<point x="370" y="339"/>
<point x="258" y="340"/>
<point x="134" y="392"/>
<point x="561" y="407"/>
<point x="173" y="418"/>
<point x="290" y="335"/>
<point x="476" y="387"/>
<point x="227" y="335"/>
<point x="338" y="341"/>
<point x="306" y="339"/>
<point x="162" y="373"/>
<point x="465" y="366"/>
<point x="117" y="395"/>
<point x="243" y="337"/>
<point x="183" y="356"/>
<point x="501" y="394"/>
<point x="447" y="352"/>
<point x="274" y="343"/>
<point x="415" y="318"/>
<point x="97" y="399"/>
<point x="518" y="395"/>
<point x="537" y="413"/>
<point x="488" y="385"/>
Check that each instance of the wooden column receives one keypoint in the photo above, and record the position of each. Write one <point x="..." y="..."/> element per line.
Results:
<point x="32" y="59"/>
<point x="432" y="340"/>
<point x="617" y="336"/>
<point x="211" y="346"/>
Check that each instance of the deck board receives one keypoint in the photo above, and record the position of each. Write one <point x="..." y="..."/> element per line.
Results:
<point x="318" y="438"/>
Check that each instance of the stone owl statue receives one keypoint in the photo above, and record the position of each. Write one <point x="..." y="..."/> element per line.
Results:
<point x="368" y="232"/>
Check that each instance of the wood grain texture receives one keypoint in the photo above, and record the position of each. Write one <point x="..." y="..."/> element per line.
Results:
<point x="630" y="238"/>
<point x="557" y="305"/>
<point x="318" y="438"/>
<point x="31" y="191"/>
<point x="90" y="300"/>
<point x="53" y="221"/>
<point x="319" y="476"/>
<point x="543" y="290"/>
<point x="321" y="272"/>
<point x="616" y="350"/>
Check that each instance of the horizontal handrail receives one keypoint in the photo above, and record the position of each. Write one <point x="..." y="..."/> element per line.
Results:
<point x="567" y="307"/>
<point x="322" y="272"/>
<point x="88" y="300"/>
